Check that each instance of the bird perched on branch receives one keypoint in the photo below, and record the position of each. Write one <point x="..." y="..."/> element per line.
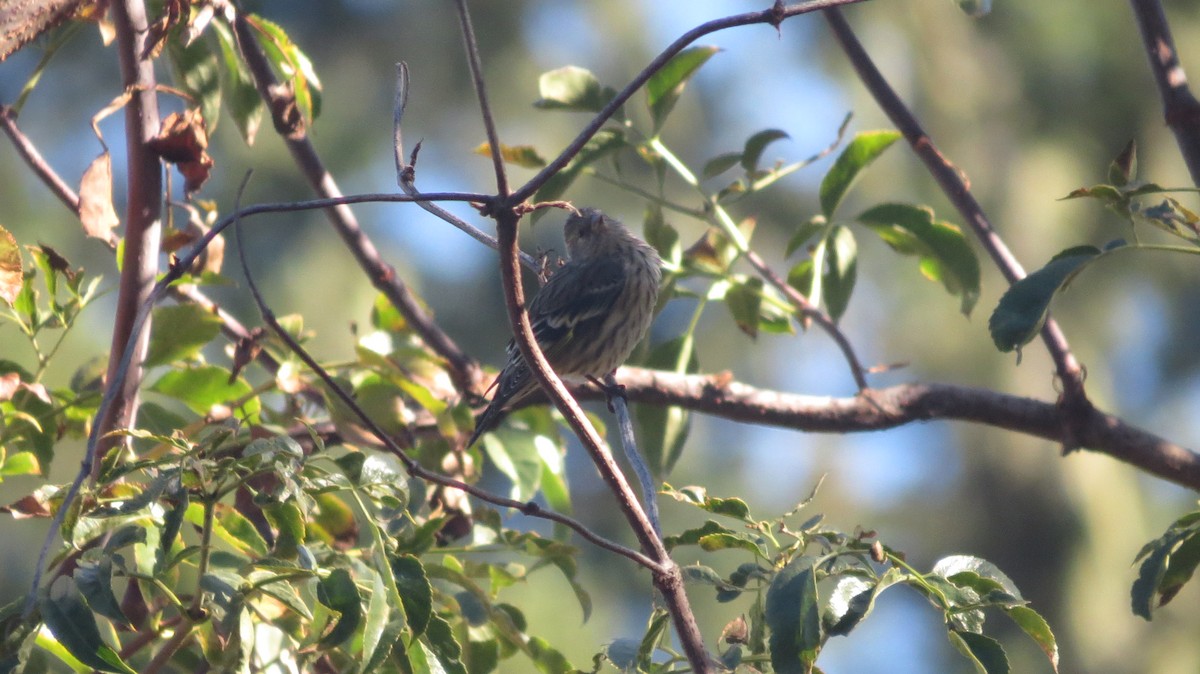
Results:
<point x="590" y="314"/>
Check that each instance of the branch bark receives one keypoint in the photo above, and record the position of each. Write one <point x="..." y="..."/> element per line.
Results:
<point x="1180" y="107"/>
<point x="895" y="406"/>
<point x="143" y="227"/>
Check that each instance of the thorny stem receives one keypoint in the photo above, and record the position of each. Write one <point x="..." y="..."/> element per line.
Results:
<point x="955" y="187"/>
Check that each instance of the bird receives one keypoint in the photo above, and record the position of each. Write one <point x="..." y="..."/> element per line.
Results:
<point x="589" y="315"/>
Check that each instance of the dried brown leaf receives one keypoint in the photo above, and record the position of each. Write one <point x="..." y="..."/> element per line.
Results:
<point x="11" y="276"/>
<point x="96" y="210"/>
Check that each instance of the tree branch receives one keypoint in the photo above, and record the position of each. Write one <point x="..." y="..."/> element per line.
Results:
<point x="908" y="403"/>
<point x="464" y="371"/>
<point x="143" y="228"/>
<point x="1180" y="107"/>
<point x="951" y="180"/>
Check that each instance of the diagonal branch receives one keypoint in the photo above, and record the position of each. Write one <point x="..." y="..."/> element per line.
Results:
<point x="1180" y="107"/>
<point x="954" y="186"/>
<point x="464" y="371"/>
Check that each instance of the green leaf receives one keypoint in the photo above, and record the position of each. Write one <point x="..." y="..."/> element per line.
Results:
<point x="806" y="231"/>
<point x="73" y="624"/>
<point x="338" y="592"/>
<point x="666" y="85"/>
<point x="945" y="254"/>
<point x="984" y="652"/>
<point x="745" y="303"/>
<point x="197" y="72"/>
<point x="841" y="271"/>
<point x="179" y="332"/>
<point x="572" y="88"/>
<point x="853" y="599"/>
<point x="864" y="149"/>
<point x="1023" y="308"/>
<point x="755" y="145"/>
<point x="793" y="615"/>
<point x="515" y="454"/>
<point x="441" y="638"/>
<point x="242" y="97"/>
<point x="1033" y="624"/>
<point x="957" y="568"/>
<point x="656" y="628"/>
<point x="662" y="236"/>
<point x="289" y="522"/>
<point x="201" y="387"/>
<point x="20" y="463"/>
<point x="94" y="579"/>
<point x="604" y="142"/>
<point x="693" y="536"/>
<point x="1167" y="563"/>
<point x="415" y="591"/>
<point x="720" y="164"/>
<point x="1123" y="169"/>
<point x="293" y="64"/>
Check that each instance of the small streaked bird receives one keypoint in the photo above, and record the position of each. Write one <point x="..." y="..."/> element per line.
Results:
<point x="590" y="314"/>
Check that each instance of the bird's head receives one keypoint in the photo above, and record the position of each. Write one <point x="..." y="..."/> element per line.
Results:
<point x="591" y="232"/>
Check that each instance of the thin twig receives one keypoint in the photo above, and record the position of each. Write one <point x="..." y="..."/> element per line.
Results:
<point x="954" y="186"/>
<point x="485" y="109"/>
<point x="1180" y="107"/>
<point x="406" y="172"/>
<point x="415" y="469"/>
<point x="464" y="371"/>
<point x="773" y="17"/>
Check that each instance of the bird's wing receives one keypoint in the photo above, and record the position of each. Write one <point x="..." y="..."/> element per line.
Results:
<point x="578" y="292"/>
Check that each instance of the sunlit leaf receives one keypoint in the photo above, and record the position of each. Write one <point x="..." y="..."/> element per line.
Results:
<point x="572" y="88"/>
<point x="520" y="155"/>
<point x="864" y="149"/>
<point x="666" y="86"/>
<point x="96" y="210"/>
<point x="180" y="332"/>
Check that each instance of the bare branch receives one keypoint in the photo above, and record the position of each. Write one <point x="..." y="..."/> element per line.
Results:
<point x="896" y="406"/>
<point x="406" y="172"/>
<point x="464" y="371"/>
<point x="954" y="186"/>
<point x="1180" y="107"/>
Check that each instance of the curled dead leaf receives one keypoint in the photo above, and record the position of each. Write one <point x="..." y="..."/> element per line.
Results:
<point x="11" y="275"/>
<point x="96" y="210"/>
<point x="183" y="141"/>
